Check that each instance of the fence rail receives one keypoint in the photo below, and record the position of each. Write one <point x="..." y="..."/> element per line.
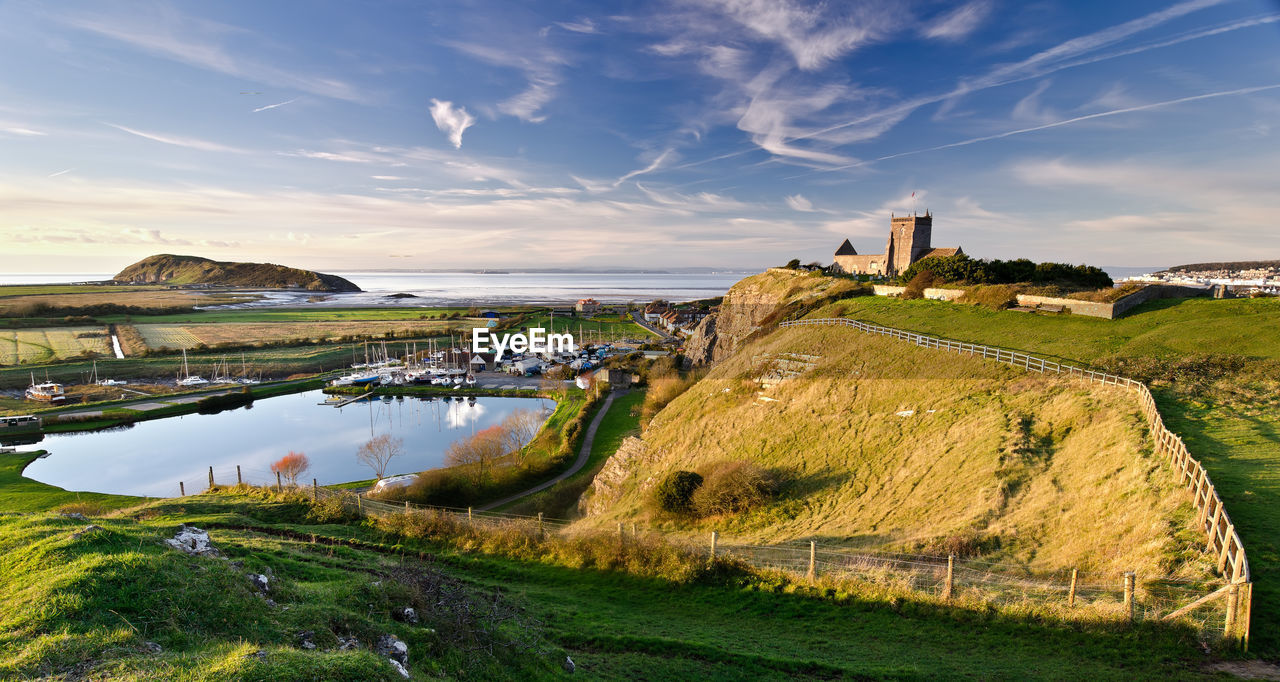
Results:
<point x="1223" y="540"/>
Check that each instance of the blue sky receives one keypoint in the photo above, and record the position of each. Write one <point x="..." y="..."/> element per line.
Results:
<point x="727" y="133"/>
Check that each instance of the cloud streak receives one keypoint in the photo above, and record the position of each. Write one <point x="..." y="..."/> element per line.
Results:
<point x="275" y="106"/>
<point x="178" y="140"/>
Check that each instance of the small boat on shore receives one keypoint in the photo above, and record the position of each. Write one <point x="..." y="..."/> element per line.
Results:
<point x="47" y="392"/>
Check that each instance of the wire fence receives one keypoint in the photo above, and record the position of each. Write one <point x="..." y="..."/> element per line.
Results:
<point x="1223" y="541"/>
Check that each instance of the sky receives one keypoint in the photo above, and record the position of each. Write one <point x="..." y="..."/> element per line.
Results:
<point x="721" y="133"/>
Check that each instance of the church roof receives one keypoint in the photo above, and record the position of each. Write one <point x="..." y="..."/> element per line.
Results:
<point x="846" y="249"/>
<point x="940" y="253"/>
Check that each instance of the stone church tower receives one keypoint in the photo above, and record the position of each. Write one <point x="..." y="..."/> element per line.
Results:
<point x="910" y="239"/>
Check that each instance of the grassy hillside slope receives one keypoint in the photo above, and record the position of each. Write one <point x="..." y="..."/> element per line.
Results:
<point x="890" y="445"/>
<point x="1214" y="368"/>
<point x="171" y="269"/>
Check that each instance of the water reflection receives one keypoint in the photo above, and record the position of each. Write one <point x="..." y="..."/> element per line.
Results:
<point x="152" y="457"/>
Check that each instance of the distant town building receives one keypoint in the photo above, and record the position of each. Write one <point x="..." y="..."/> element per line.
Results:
<point x="909" y="241"/>
<point x="654" y="310"/>
<point x="587" y="305"/>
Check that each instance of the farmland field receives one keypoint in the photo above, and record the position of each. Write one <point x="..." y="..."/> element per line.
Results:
<point x="11" y="305"/>
<point x="602" y="327"/>
<point x="44" y="345"/>
<point x="297" y="315"/>
<point x="175" y="336"/>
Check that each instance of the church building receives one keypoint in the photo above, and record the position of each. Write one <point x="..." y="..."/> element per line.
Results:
<point x="909" y="241"/>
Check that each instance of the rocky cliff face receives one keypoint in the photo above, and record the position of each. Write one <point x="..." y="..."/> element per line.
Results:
<point x="747" y="305"/>
<point x="171" y="269"/>
<point x="607" y="486"/>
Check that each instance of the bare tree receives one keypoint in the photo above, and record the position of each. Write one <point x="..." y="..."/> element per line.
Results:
<point x="479" y="452"/>
<point x="378" y="453"/>
<point x="519" y="428"/>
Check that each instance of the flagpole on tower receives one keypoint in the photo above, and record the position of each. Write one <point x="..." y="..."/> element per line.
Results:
<point x="913" y="203"/>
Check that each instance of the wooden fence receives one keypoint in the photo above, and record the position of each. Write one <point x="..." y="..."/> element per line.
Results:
<point x="1223" y="540"/>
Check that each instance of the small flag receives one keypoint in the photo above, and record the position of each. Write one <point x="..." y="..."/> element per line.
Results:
<point x="913" y="195"/>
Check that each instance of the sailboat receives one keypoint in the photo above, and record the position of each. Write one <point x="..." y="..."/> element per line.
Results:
<point x="105" y="382"/>
<point x="244" y="373"/>
<point x="187" y="378"/>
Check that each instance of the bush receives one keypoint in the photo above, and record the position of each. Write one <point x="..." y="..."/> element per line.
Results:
<point x="995" y="297"/>
<point x="663" y="390"/>
<point x="732" y="488"/>
<point x="923" y="280"/>
<point x="675" y="493"/>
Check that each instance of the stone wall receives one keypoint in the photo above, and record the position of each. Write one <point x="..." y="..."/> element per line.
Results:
<point x="932" y="293"/>
<point x="1074" y="306"/>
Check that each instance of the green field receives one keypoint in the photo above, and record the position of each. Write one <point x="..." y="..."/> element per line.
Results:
<point x="44" y="289"/>
<point x="88" y="606"/>
<point x="1233" y="427"/>
<point x="33" y="346"/>
<point x="603" y="328"/>
<point x="21" y="494"/>
<point x="294" y="315"/>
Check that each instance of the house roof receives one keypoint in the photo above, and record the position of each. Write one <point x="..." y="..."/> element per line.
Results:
<point x="846" y="249"/>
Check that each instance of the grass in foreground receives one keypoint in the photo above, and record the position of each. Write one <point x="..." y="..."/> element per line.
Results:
<point x="21" y="494"/>
<point x="87" y="606"/>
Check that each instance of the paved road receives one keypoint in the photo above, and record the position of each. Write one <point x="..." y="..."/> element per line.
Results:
<point x="639" y="319"/>
<point x="583" y="455"/>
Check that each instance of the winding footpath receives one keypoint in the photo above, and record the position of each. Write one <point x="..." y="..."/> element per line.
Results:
<point x="584" y="454"/>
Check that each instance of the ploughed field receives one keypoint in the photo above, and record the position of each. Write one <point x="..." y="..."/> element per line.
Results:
<point x="179" y="336"/>
<point x="26" y="346"/>
<point x="880" y="444"/>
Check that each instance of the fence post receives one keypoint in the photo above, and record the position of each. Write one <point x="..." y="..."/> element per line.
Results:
<point x="210" y="477"/>
<point x="714" y="536"/>
<point x="239" y="479"/>
<point x="951" y="567"/>
<point x="541" y="533"/>
<point x="1233" y="604"/>
<point x="1246" y="614"/>
<point x="621" y="536"/>
<point x="406" y="506"/>
<point x="315" y="491"/>
<point x="279" y="485"/>
<point x="1217" y="516"/>
<point x="1226" y="546"/>
<point x="1071" y="596"/>
<point x="468" y="515"/>
<point x="360" y="504"/>
<point x="1129" y="579"/>
<point x="634" y="533"/>
<point x="813" y="560"/>
<point x="182" y="490"/>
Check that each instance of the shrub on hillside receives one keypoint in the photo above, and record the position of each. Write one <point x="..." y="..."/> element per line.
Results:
<point x="921" y="281"/>
<point x="995" y="296"/>
<point x="732" y="488"/>
<point x="675" y="493"/>
<point x="663" y="390"/>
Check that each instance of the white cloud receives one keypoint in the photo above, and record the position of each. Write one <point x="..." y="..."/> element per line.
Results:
<point x="179" y="140"/>
<point x="275" y="106"/>
<point x="1030" y="110"/>
<point x="451" y="121"/>
<point x="811" y="35"/>
<point x="581" y="26"/>
<point x="527" y="104"/>
<point x="958" y="23"/>
<point x="797" y="202"/>
<point x="653" y="166"/>
<point x="25" y="132"/>
<point x="540" y="65"/>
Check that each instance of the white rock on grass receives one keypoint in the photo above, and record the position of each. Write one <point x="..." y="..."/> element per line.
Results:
<point x="391" y="647"/>
<point x="193" y="541"/>
<point x="399" y="668"/>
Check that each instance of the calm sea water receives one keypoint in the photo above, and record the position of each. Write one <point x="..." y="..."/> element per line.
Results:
<point x="150" y="457"/>
<point x="466" y="289"/>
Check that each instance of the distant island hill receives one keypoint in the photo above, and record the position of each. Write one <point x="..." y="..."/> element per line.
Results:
<point x="193" y="270"/>
<point x="910" y="240"/>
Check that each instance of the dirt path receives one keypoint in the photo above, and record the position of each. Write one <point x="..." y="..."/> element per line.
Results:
<point x="584" y="453"/>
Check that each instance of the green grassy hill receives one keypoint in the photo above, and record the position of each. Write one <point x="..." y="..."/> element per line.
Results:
<point x="887" y="445"/>
<point x="170" y="269"/>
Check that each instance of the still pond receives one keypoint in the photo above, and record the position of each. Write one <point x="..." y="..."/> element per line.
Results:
<point x="151" y="457"/>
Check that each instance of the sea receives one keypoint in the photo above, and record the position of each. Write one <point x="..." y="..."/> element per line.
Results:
<point x="427" y="289"/>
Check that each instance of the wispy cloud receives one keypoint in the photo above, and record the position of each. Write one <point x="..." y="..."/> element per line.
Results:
<point x="580" y="26"/>
<point x="451" y="120"/>
<point x="196" y="42"/>
<point x="179" y="141"/>
<point x="540" y="65"/>
<point x="798" y="202"/>
<point x="1064" y="122"/>
<point x="958" y="23"/>
<point x="813" y="35"/>
<point x="25" y="132"/>
<point x="61" y="172"/>
<point x="653" y="166"/>
<point x="274" y="106"/>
